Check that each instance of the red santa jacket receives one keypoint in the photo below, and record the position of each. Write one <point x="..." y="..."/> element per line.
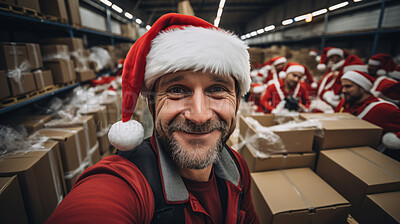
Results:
<point x="375" y="110"/>
<point x="276" y="92"/>
<point x="386" y="88"/>
<point x="115" y="191"/>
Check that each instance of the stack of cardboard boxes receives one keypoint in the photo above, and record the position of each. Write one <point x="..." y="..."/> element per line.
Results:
<point x="350" y="177"/>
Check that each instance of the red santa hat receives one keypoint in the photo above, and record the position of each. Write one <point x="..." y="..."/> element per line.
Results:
<point x="362" y="79"/>
<point x="296" y="67"/>
<point x="313" y="53"/>
<point x="353" y="63"/>
<point x="175" y="43"/>
<point x="384" y="61"/>
<point x="396" y="73"/>
<point x="326" y="53"/>
<point x="391" y="140"/>
<point x="277" y="60"/>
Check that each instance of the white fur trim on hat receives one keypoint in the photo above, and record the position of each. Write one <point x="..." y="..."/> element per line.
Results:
<point x="314" y="85"/>
<point x="361" y="68"/>
<point x="126" y="135"/>
<point x="198" y="49"/>
<point x="391" y="141"/>
<point x="335" y="51"/>
<point x="338" y="65"/>
<point x="295" y="68"/>
<point x="358" y="79"/>
<point x="258" y="89"/>
<point x="395" y="74"/>
<point x="280" y="61"/>
<point x="321" y="67"/>
<point x="282" y="74"/>
<point x="381" y="72"/>
<point x="374" y="62"/>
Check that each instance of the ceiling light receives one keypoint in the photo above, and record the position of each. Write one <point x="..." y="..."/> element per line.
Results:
<point x="148" y="27"/>
<point x="219" y="13"/>
<point x="222" y="3"/>
<point x="269" y="28"/>
<point x="340" y="5"/>
<point x="357" y="0"/>
<point x="254" y="33"/>
<point x="216" y="21"/>
<point x="308" y="18"/>
<point x="128" y="15"/>
<point x="138" y="21"/>
<point x="299" y="18"/>
<point x="106" y="2"/>
<point x="116" y="8"/>
<point x="243" y="37"/>
<point x="248" y="35"/>
<point x="287" y="22"/>
<point x="319" y="12"/>
<point x="260" y="31"/>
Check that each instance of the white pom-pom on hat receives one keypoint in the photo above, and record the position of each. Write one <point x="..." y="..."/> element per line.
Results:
<point x="381" y="72"/>
<point x="282" y="74"/>
<point x="314" y="85"/>
<point x="126" y="135"/>
<point x="321" y="67"/>
<point x="391" y="140"/>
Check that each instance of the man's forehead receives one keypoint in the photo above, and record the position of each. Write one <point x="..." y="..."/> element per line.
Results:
<point x="186" y="75"/>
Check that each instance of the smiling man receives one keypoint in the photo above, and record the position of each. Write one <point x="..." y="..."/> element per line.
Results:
<point x="193" y="75"/>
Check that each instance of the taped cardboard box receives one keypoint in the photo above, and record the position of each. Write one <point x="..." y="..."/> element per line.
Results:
<point x="25" y="84"/>
<point x="296" y="140"/>
<point x="73" y="43"/>
<point x="34" y="56"/>
<point x="112" y="110"/>
<point x="63" y="71"/>
<point x="277" y="161"/>
<point x="296" y="196"/>
<point x="43" y="78"/>
<point x="104" y="144"/>
<point x="32" y="123"/>
<point x="381" y="208"/>
<point x="31" y="4"/>
<point x="73" y="12"/>
<point x="11" y="203"/>
<point x="55" y="8"/>
<point x="85" y="75"/>
<point x="99" y="114"/>
<point x="342" y="130"/>
<point x="94" y="154"/>
<point x="12" y="55"/>
<point x="49" y="51"/>
<point x="356" y="172"/>
<point x="37" y="176"/>
<point x="4" y="90"/>
<point x="328" y="116"/>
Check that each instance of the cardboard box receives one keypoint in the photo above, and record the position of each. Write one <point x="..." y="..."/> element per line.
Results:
<point x="34" y="56"/>
<point x="112" y="111"/>
<point x="55" y="8"/>
<point x="73" y="43"/>
<point x="296" y="196"/>
<point x="277" y="161"/>
<point x="356" y="172"/>
<point x="381" y="208"/>
<point x="4" y="89"/>
<point x="129" y="30"/>
<point x="11" y="203"/>
<point x="26" y="84"/>
<point x="298" y="140"/>
<point x="104" y="144"/>
<point x="31" y="4"/>
<point x="105" y="155"/>
<point x="37" y="179"/>
<point x="327" y="116"/>
<point x="73" y="12"/>
<point x="32" y="123"/>
<point x="85" y="75"/>
<point x="43" y="78"/>
<point x="63" y="71"/>
<point x="49" y="51"/>
<point x="99" y="114"/>
<point x="94" y="153"/>
<point x="11" y="53"/>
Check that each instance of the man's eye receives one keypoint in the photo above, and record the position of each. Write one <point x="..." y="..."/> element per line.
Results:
<point x="216" y="89"/>
<point x="175" y="90"/>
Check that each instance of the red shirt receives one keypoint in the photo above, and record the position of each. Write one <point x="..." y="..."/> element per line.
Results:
<point x="272" y="98"/>
<point x="386" y="88"/>
<point x="384" y="115"/>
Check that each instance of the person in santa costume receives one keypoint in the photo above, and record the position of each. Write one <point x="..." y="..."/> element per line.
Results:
<point x="382" y="67"/>
<point x="360" y="102"/>
<point x="288" y="91"/>
<point x="274" y="66"/>
<point x="193" y="75"/>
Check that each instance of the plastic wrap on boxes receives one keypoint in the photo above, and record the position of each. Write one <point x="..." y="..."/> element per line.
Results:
<point x="100" y="56"/>
<point x="12" y="141"/>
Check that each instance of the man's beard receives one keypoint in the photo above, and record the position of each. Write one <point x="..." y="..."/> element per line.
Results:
<point x="352" y="98"/>
<point x="192" y="158"/>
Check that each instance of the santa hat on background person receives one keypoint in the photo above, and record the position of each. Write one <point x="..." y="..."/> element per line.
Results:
<point x="384" y="61"/>
<point x="175" y="43"/>
<point x="362" y="79"/>
<point x="276" y="61"/>
<point x="327" y="52"/>
<point x="313" y="53"/>
<point x="353" y="63"/>
<point x="296" y="67"/>
<point x="396" y="73"/>
<point x="391" y="140"/>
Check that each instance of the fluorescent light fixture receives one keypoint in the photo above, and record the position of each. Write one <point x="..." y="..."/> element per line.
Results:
<point x="340" y="5"/>
<point x="299" y="18"/>
<point x="248" y="35"/>
<point x="319" y="12"/>
<point x="287" y="22"/>
<point x="260" y="31"/>
<point x="138" y="21"/>
<point x="243" y="37"/>
<point x="308" y="18"/>
<point x="106" y="2"/>
<point x="219" y="13"/>
<point x="116" y="8"/>
<point x="269" y="28"/>
<point x="357" y="0"/>
<point x="222" y="3"/>
<point x="254" y="33"/>
<point x="216" y="21"/>
<point x="148" y="27"/>
<point x="128" y="15"/>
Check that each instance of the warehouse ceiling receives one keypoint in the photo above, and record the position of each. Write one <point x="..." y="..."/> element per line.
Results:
<point x="235" y="15"/>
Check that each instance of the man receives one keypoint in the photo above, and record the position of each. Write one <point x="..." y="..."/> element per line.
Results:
<point x="287" y="93"/>
<point x="273" y="67"/>
<point x="193" y="75"/>
<point x="360" y="102"/>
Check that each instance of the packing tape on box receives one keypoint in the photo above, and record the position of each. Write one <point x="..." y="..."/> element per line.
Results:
<point x="86" y="130"/>
<point x="103" y="132"/>
<point x="16" y="74"/>
<point x="41" y="77"/>
<point x="93" y="149"/>
<point x="78" y="55"/>
<point x="375" y="164"/>
<point x="310" y="207"/>
<point x="35" y="54"/>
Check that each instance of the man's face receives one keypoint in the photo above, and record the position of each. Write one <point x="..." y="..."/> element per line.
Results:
<point x="279" y="67"/>
<point x="372" y="70"/>
<point x="334" y="59"/>
<point x="351" y="91"/>
<point x="292" y="79"/>
<point x="195" y="113"/>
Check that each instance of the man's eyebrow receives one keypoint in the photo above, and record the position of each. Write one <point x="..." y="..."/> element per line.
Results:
<point x="221" y="79"/>
<point x="167" y="81"/>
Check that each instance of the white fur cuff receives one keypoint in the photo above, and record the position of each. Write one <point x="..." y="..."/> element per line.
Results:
<point x="391" y="141"/>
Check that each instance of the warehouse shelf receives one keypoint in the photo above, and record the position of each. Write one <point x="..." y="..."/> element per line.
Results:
<point x="36" y="98"/>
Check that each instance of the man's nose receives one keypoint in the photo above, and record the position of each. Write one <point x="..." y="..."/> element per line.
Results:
<point x="198" y="109"/>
